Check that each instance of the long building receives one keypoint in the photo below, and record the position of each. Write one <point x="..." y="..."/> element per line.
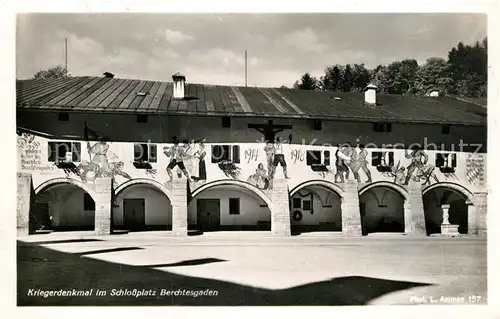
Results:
<point x="117" y="155"/>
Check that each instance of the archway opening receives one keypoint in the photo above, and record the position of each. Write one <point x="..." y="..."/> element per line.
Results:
<point x="141" y="207"/>
<point x="315" y="208"/>
<point x="63" y="207"/>
<point x="458" y="212"/>
<point x="382" y="210"/>
<point x="228" y="208"/>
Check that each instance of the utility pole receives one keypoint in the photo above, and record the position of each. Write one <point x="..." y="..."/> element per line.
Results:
<point x="66" y="56"/>
<point x="245" y="68"/>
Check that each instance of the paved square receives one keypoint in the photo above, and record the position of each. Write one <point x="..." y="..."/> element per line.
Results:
<point x="156" y="270"/>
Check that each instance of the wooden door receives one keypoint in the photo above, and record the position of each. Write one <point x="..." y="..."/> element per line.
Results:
<point x="134" y="211"/>
<point x="208" y="214"/>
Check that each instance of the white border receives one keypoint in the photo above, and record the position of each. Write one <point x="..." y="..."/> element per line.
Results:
<point x="8" y="9"/>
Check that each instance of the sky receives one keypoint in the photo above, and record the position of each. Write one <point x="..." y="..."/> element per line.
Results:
<point x="210" y="48"/>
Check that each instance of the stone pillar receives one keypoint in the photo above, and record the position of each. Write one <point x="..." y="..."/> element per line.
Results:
<point x="280" y="212"/>
<point x="24" y="203"/>
<point x="179" y="207"/>
<point x="102" y="196"/>
<point x="472" y="219"/>
<point x="414" y="211"/>
<point x="446" y="227"/>
<point x="351" y="215"/>
<point x="478" y="218"/>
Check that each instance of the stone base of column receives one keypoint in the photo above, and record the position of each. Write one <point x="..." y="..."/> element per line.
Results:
<point x="179" y="208"/>
<point x="280" y="213"/>
<point x="351" y="215"/>
<point x="449" y="230"/>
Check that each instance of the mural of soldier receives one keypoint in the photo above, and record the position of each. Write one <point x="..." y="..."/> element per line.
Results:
<point x="269" y="150"/>
<point x="358" y="160"/>
<point x="176" y="154"/>
<point x="419" y="166"/>
<point x="279" y="158"/>
<point x="341" y="160"/>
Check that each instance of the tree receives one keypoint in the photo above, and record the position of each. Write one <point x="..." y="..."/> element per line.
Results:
<point x="362" y="77"/>
<point x="307" y="82"/>
<point x="52" y="73"/>
<point x="347" y="79"/>
<point x="332" y="79"/>
<point x="435" y="74"/>
<point x="469" y="68"/>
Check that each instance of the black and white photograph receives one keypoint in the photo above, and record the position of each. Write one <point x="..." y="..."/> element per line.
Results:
<point x="252" y="159"/>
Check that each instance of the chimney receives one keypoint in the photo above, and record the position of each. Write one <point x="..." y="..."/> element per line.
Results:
<point x="179" y="85"/>
<point x="108" y="75"/>
<point x="370" y="94"/>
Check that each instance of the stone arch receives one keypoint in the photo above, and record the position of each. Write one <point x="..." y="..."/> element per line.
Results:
<point x="147" y="181"/>
<point x="398" y="188"/>
<point x="62" y="180"/>
<point x="331" y="186"/>
<point x="456" y="187"/>
<point x="234" y="182"/>
<point x="460" y="211"/>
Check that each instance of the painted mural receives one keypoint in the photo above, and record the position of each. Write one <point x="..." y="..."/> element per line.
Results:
<point x="253" y="163"/>
<point x="101" y="164"/>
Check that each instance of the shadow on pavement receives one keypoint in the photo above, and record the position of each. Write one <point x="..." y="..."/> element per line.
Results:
<point x="47" y="269"/>
<point x="194" y="262"/>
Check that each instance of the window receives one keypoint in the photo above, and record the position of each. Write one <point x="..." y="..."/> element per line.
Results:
<point x="383" y="159"/>
<point x="297" y="203"/>
<point x="445" y="129"/>
<point x="226" y="153"/>
<point x="142" y="118"/>
<point x="315" y="158"/>
<point x="65" y="151"/>
<point x="145" y="153"/>
<point x="382" y="127"/>
<point x="318" y="125"/>
<point x="234" y="206"/>
<point x="88" y="202"/>
<point x="63" y="117"/>
<point x="306" y="205"/>
<point x="226" y="122"/>
<point x="446" y="161"/>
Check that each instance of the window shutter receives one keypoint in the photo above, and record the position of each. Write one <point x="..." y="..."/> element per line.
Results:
<point x="326" y="159"/>
<point x="236" y="154"/>
<point x="52" y="151"/>
<point x="216" y="153"/>
<point x="453" y="160"/>
<point x="77" y="152"/>
<point x="309" y="158"/>
<point x="376" y="158"/>
<point x="152" y="153"/>
<point x="391" y="158"/>
<point x="137" y="152"/>
<point x="439" y="160"/>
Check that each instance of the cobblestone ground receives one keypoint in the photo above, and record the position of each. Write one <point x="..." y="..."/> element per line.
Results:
<point x="234" y="270"/>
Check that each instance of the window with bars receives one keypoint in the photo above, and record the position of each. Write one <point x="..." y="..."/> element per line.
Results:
<point x="314" y="158"/>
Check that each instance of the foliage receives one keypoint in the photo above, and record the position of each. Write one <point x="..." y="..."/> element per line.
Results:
<point x="463" y="73"/>
<point x="51" y="73"/>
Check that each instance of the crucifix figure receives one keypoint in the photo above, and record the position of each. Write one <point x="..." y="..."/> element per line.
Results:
<point x="269" y="130"/>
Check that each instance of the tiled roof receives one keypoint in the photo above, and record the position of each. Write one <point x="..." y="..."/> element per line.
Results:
<point x="101" y="94"/>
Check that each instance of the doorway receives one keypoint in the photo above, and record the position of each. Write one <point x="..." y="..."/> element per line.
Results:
<point x="134" y="211"/>
<point x="208" y="214"/>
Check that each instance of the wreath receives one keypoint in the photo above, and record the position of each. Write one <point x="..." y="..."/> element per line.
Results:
<point x="297" y="215"/>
